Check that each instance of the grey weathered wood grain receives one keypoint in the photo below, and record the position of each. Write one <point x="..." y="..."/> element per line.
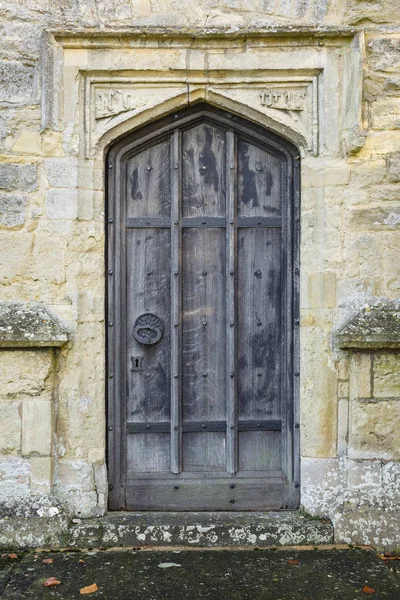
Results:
<point x="208" y="424"/>
<point x="259" y="323"/>
<point x="148" y="290"/>
<point x="175" y="274"/>
<point x="148" y="182"/>
<point x="259" y="189"/>
<point x="203" y="171"/>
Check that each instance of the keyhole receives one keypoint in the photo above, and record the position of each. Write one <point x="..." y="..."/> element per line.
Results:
<point x="136" y="363"/>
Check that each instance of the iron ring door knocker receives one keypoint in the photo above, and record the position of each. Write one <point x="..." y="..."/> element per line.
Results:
<point x="148" y="329"/>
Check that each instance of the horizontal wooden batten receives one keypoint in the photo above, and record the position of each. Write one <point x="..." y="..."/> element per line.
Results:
<point x="163" y="222"/>
<point x="199" y="494"/>
<point x="259" y="222"/>
<point x="150" y="222"/>
<point x="197" y="426"/>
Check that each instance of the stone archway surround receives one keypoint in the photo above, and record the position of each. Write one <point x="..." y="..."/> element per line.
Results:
<point x="98" y="86"/>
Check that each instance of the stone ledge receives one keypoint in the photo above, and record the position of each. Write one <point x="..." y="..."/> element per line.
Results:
<point x="373" y="328"/>
<point x="29" y="325"/>
<point x="205" y="529"/>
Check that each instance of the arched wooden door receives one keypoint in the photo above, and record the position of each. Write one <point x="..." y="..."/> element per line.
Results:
<point x="202" y="316"/>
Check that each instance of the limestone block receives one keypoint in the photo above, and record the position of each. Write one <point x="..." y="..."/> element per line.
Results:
<point x="83" y="505"/>
<point x="12" y="210"/>
<point x="344" y="368"/>
<point x="75" y="57"/>
<point x="85" y="204"/>
<point x="367" y="525"/>
<point x="52" y="143"/>
<point x="343" y="389"/>
<point x="16" y="81"/>
<point x="391" y="484"/>
<point x="14" y="478"/>
<point x="48" y="259"/>
<point x="15" y="248"/>
<point x="386" y="372"/>
<point x="323" y="484"/>
<point x="75" y="474"/>
<point x="320" y="291"/>
<point x="29" y="142"/>
<point x="394" y="168"/>
<point x="375" y="218"/>
<point x="318" y="387"/>
<point x="364" y="473"/>
<point x="374" y="429"/>
<point x="96" y="455"/>
<point x="384" y="53"/>
<point x="18" y="177"/>
<point x="343" y="427"/>
<point x="378" y="143"/>
<point x="25" y="372"/>
<point x="62" y="204"/>
<point x="330" y="174"/>
<point x="41" y="475"/>
<point x="36" y="427"/>
<point x="10" y="432"/>
<point x="385" y="113"/>
<point x="360" y="375"/>
<point x="368" y="173"/>
<point x="61" y="172"/>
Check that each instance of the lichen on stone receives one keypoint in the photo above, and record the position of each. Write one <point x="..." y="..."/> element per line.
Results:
<point x="374" y="327"/>
<point x="28" y="325"/>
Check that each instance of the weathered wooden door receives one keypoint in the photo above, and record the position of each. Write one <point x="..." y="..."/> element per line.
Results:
<point x="202" y="287"/>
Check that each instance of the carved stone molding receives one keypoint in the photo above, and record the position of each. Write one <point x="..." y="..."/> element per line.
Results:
<point x="290" y="101"/>
<point x="306" y="85"/>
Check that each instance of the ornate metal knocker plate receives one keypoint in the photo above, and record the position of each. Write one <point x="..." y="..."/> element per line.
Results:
<point x="148" y="329"/>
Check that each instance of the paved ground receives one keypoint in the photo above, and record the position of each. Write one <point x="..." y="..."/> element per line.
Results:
<point x="289" y="574"/>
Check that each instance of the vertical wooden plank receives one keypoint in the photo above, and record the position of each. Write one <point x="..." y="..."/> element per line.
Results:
<point x="203" y="324"/>
<point x="176" y="427"/>
<point x="259" y="182"/>
<point x="230" y="277"/>
<point x="260" y="323"/>
<point x="148" y="182"/>
<point x="148" y="290"/>
<point x="203" y="171"/>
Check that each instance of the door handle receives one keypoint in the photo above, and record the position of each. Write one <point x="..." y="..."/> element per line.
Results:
<point x="148" y="329"/>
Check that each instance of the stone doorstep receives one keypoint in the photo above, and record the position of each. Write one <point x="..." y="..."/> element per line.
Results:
<point x="200" y="529"/>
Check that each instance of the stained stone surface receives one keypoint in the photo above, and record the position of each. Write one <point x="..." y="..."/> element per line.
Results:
<point x="215" y="529"/>
<point x="292" y="574"/>
<point x="24" y="325"/>
<point x="375" y="327"/>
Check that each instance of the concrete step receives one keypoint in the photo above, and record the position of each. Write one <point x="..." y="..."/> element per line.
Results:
<point x="200" y="529"/>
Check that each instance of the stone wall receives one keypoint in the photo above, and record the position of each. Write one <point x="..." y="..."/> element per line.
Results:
<point x="52" y="227"/>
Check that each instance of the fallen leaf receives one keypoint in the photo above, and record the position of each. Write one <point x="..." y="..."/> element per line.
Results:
<point x="51" y="581"/>
<point x="47" y="561"/>
<point x="35" y="556"/>
<point x="3" y="555"/>
<point x="167" y="565"/>
<point x="291" y="561"/>
<point x="89" y="589"/>
<point x="81" y="561"/>
<point x="368" y="590"/>
<point x="12" y="556"/>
